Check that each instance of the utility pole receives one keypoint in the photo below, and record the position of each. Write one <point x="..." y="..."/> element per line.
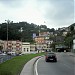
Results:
<point x="21" y="30"/>
<point x="8" y="22"/>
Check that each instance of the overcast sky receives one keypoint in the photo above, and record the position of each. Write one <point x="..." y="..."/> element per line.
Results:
<point x="52" y="13"/>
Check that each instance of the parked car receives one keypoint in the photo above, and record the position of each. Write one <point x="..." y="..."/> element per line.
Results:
<point x="50" y="56"/>
<point x="11" y="53"/>
<point x="3" y="54"/>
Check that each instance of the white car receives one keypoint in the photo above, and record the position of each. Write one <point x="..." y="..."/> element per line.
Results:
<point x="11" y="53"/>
<point x="3" y="54"/>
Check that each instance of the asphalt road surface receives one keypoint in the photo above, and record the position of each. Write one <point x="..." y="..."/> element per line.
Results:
<point x="65" y="65"/>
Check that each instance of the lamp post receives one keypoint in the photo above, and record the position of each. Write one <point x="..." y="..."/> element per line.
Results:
<point x="8" y="22"/>
<point x="21" y="30"/>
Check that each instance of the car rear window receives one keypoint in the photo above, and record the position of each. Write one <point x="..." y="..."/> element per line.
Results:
<point x="50" y="54"/>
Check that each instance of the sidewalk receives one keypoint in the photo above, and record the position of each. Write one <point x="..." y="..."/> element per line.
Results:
<point x="71" y="54"/>
<point x="28" y="69"/>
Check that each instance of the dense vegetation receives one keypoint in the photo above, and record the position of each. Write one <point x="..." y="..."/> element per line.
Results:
<point x="14" y="32"/>
<point x="70" y="36"/>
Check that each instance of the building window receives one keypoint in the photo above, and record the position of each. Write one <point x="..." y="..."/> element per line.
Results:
<point x="24" y="49"/>
<point x="27" y="49"/>
<point x="31" y="50"/>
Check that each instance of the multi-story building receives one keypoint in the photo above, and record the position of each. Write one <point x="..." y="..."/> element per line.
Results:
<point x="39" y="39"/>
<point x="44" y="33"/>
<point x="12" y="45"/>
<point x="43" y="41"/>
<point x="32" y="47"/>
<point x="18" y="46"/>
<point x="1" y="46"/>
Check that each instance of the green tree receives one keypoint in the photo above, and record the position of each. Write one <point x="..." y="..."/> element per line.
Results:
<point x="69" y="41"/>
<point x="71" y="28"/>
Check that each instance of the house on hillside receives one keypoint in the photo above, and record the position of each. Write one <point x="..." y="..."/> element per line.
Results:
<point x="44" y="33"/>
<point x="64" y="33"/>
<point x="39" y="39"/>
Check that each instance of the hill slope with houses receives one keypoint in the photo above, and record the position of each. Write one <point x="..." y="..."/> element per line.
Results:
<point x="45" y="37"/>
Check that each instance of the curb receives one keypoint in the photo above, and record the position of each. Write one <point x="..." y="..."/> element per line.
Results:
<point x="35" y="63"/>
<point x="28" y="68"/>
<point x="36" y="60"/>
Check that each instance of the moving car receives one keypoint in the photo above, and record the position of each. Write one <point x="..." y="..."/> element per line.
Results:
<point x="50" y="56"/>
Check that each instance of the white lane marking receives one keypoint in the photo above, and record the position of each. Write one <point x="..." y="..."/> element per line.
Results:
<point x="67" y="66"/>
<point x="36" y="72"/>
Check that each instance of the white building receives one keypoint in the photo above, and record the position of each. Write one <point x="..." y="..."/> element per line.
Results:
<point x="64" y="33"/>
<point x="74" y="45"/>
<point x="74" y="27"/>
<point x="25" y="47"/>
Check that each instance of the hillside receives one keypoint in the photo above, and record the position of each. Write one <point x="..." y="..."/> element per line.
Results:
<point x="14" y="31"/>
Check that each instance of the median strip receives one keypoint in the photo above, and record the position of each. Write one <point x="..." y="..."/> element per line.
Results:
<point x="15" y="65"/>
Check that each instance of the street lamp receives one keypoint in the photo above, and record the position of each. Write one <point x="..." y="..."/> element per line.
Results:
<point x="21" y="30"/>
<point x="8" y="22"/>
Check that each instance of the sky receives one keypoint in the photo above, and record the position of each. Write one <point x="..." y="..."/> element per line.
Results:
<point x="52" y="13"/>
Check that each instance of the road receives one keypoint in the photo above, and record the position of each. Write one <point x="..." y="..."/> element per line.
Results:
<point x="65" y="65"/>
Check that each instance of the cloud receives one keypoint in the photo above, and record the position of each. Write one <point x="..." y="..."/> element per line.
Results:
<point x="63" y="9"/>
<point x="56" y="13"/>
<point x="12" y="3"/>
